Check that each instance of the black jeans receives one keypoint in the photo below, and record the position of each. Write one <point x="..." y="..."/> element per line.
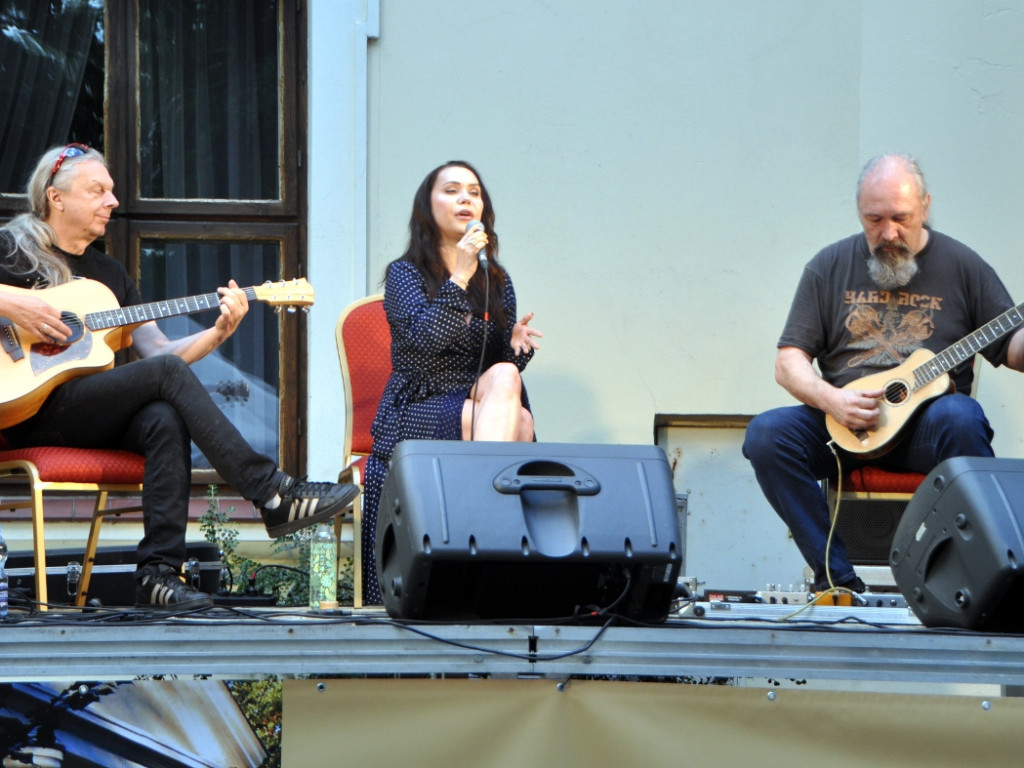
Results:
<point x="154" y="406"/>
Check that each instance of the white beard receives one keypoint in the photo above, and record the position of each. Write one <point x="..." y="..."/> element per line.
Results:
<point x="893" y="271"/>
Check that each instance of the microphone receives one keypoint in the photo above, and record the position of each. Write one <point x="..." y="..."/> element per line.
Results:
<point x="482" y="254"/>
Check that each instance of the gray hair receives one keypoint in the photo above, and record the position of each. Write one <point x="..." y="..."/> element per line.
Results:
<point x="29" y="232"/>
<point x="907" y="162"/>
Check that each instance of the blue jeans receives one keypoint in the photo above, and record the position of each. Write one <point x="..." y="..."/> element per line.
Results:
<point x="788" y="450"/>
<point x="155" y="407"/>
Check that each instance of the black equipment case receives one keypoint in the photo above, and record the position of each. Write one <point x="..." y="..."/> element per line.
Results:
<point x="113" y="574"/>
<point x="522" y="531"/>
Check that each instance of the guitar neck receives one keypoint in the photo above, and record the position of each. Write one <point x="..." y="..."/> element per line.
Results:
<point x="967" y="347"/>
<point x="155" y="310"/>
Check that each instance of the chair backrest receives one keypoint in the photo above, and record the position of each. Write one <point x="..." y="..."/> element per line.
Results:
<point x="364" y="352"/>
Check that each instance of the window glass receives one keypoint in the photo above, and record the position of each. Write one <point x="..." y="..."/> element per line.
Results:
<point x="242" y="374"/>
<point x="209" y="96"/>
<point x="51" y="82"/>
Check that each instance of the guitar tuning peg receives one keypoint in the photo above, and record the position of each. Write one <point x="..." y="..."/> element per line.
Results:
<point x="305" y="310"/>
<point x="277" y="310"/>
<point x="290" y="310"/>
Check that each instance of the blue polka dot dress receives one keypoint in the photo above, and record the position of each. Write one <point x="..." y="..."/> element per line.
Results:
<point x="435" y="354"/>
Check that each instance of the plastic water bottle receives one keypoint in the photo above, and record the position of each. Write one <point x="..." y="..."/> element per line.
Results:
<point x="74" y="577"/>
<point x="4" y="582"/>
<point x="193" y="572"/>
<point x="323" y="569"/>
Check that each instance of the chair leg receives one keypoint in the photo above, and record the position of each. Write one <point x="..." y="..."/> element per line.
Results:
<point x="339" y="525"/>
<point x="357" y="552"/>
<point x="39" y="547"/>
<point x="91" y="546"/>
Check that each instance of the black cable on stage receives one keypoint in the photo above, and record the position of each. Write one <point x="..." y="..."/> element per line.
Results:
<point x="483" y="352"/>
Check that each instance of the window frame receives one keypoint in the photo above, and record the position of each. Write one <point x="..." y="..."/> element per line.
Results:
<point x="292" y="338"/>
<point x="123" y="124"/>
<point x="283" y="220"/>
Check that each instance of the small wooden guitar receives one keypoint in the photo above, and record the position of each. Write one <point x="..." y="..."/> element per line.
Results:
<point x="31" y="367"/>
<point x="920" y="378"/>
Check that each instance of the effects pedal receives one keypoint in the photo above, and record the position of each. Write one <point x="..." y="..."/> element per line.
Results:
<point x="778" y="602"/>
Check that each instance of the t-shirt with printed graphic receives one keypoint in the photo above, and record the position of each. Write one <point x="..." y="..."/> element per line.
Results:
<point x="853" y="328"/>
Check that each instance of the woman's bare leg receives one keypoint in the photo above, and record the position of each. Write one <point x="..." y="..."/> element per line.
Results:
<point x="498" y="410"/>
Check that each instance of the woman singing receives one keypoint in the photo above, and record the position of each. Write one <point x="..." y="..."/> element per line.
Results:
<point x="450" y="309"/>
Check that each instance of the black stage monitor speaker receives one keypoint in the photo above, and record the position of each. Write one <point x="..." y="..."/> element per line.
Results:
<point x="957" y="553"/>
<point x="523" y="531"/>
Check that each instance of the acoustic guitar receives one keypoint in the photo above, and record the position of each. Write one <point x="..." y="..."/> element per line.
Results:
<point x="32" y="367"/>
<point x="921" y="377"/>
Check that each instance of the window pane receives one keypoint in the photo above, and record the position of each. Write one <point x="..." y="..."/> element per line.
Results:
<point x="242" y="374"/>
<point x="51" y="82"/>
<point x="209" y="99"/>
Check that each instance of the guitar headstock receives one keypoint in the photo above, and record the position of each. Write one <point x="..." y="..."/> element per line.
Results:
<point x="286" y="293"/>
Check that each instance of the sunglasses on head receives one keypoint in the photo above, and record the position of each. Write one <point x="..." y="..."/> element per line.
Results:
<point x="71" y="150"/>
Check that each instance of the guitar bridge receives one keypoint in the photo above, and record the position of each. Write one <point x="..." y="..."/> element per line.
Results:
<point x="10" y="341"/>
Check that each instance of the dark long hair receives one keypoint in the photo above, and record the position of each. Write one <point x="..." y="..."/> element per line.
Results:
<point x="424" y="249"/>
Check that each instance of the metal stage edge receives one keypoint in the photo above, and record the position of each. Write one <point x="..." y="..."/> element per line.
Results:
<point x="280" y="643"/>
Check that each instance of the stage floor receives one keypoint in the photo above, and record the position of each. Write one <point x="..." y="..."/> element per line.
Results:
<point x="700" y="642"/>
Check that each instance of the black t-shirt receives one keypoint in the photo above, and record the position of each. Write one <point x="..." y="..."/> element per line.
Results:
<point x="853" y="328"/>
<point x="93" y="264"/>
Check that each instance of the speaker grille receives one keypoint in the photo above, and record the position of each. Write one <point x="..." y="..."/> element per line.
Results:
<point x="867" y="528"/>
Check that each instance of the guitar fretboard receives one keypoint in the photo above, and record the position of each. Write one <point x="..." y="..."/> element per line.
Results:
<point x="954" y="354"/>
<point x="155" y="310"/>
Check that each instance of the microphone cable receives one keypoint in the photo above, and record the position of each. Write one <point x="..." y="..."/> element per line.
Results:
<point x="483" y="349"/>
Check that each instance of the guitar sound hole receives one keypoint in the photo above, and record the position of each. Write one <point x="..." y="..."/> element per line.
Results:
<point x="75" y="323"/>
<point x="896" y="392"/>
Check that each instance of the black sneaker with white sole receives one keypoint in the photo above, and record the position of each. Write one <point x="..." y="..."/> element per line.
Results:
<point x="304" y="503"/>
<point x="163" y="590"/>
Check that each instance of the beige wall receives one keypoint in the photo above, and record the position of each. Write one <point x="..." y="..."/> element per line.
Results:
<point x="661" y="171"/>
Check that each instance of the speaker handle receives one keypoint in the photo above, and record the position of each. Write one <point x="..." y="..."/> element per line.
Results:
<point x="546" y="476"/>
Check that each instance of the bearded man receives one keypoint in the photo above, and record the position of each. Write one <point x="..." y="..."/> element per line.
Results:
<point x="862" y="306"/>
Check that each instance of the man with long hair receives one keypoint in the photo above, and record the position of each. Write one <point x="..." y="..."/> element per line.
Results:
<point x="154" y="406"/>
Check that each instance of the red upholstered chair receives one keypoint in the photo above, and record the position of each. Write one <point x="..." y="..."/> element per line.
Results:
<point x="76" y="471"/>
<point x="364" y="352"/>
<point x="875" y="482"/>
